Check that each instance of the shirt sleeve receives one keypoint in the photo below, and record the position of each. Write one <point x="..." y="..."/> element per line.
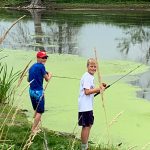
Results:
<point x="43" y="71"/>
<point x="87" y="83"/>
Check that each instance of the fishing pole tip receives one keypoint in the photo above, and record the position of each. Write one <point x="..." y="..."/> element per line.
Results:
<point x="119" y="144"/>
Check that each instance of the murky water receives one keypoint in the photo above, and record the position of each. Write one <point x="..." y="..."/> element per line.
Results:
<point x="115" y="35"/>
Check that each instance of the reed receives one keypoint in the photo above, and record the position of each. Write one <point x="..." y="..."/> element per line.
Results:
<point x="14" y="78"/>
<point x="102" y="97"/>
<point x="14" y="114"/>
<point x="145" y="146"/>
<point x="132" y="147"/>
<point x="74" y="141"/>
<point x="115" y="118"/>
<point x="6" y="90"/>
<point x="75" y="134"/>
<point x="17" y="107"/>
<point x="29" y="141"/>
<point x="7" y="31"/>
<point x="6" y="83"/>
<point x="23" y="74"/>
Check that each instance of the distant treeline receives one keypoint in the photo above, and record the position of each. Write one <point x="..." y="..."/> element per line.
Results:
<point x="75" y="1"/>
<point x="100" y="1"/>
<point x="22" y="2"/>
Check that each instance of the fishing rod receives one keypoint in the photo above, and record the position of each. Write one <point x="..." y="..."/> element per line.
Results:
<point x="119" y="79"/>
<point x="65" y="77"/>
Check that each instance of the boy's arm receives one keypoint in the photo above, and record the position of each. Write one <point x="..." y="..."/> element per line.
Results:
<point x="47" y="76"/>
<point x="91" y="91"/>
<point x="95" y="90"/>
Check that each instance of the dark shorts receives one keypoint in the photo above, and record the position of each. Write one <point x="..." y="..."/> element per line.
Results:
<point x="85" y="119"/>
<point x="37" y="99"/>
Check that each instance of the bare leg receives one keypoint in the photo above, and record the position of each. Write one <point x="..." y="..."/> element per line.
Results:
<point x="37" y="120"/>
<point x="85" y="135"/>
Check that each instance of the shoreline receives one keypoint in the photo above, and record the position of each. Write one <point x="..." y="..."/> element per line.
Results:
<point x="119" y="6"/>
<point x="145" y="7"/>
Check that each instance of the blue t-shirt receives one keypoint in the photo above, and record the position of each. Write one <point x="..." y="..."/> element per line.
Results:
<point x="37" y="72"/>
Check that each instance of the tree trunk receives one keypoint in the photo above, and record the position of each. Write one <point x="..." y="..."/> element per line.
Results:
<point x="35" y="4"/>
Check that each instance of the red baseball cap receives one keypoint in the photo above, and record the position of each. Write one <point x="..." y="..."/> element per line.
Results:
<point x="41" y="54"/>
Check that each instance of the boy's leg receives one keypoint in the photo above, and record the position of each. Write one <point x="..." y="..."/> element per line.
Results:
<point x="84" y="137"/>
<point x="85" y="119"/>
<point x="37" y="120"/>
<point x="38" y="111"/>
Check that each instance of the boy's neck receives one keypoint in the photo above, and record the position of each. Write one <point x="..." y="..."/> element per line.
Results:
<point x="91" y="74"/>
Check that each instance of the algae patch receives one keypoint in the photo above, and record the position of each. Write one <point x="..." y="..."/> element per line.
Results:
<point x="62" y="94"/>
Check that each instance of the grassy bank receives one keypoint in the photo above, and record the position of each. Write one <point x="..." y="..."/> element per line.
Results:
<point x="14" y="136"/>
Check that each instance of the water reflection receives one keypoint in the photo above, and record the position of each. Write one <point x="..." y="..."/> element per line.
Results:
<point x="54" y="37"/>
<point x="36" y="15"/>
<point x="115" y="35"/>
<point x="136" y="39"/>
<point x="57" y="38"/>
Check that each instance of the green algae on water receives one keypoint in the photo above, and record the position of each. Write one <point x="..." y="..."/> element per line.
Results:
<point x="131" y="127"/>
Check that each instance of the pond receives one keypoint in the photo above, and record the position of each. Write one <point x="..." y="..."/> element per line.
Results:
<point x="115" y="35"/>
<point x="120" y="38"/>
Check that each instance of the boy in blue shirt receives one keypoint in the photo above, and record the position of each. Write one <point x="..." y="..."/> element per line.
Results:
<point x="37" y="73"/>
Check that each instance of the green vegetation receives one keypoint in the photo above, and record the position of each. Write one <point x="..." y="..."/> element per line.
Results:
<point x="6" y="83"/>
<point x="100" y="1"/>
<point x="7" y="80"/>
<point x="16" y="135"/>
<point x="76" y="2"/>
<point x="12" y="2"/>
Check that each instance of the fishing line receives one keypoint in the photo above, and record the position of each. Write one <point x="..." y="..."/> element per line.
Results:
<point x="65" y="77"/>
<point x="119" y="79"/>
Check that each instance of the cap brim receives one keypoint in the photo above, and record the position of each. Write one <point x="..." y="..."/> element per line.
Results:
<point x="44" y="57"/>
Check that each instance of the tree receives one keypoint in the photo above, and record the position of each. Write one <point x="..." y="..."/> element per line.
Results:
<point x="35" y="4"/>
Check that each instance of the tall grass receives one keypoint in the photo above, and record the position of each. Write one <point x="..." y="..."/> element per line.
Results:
<point x="7" y="78"/>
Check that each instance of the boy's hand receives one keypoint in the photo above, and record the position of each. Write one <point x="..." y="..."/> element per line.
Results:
<point x="102" y="87"/>
<point x="50" y="75"/>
